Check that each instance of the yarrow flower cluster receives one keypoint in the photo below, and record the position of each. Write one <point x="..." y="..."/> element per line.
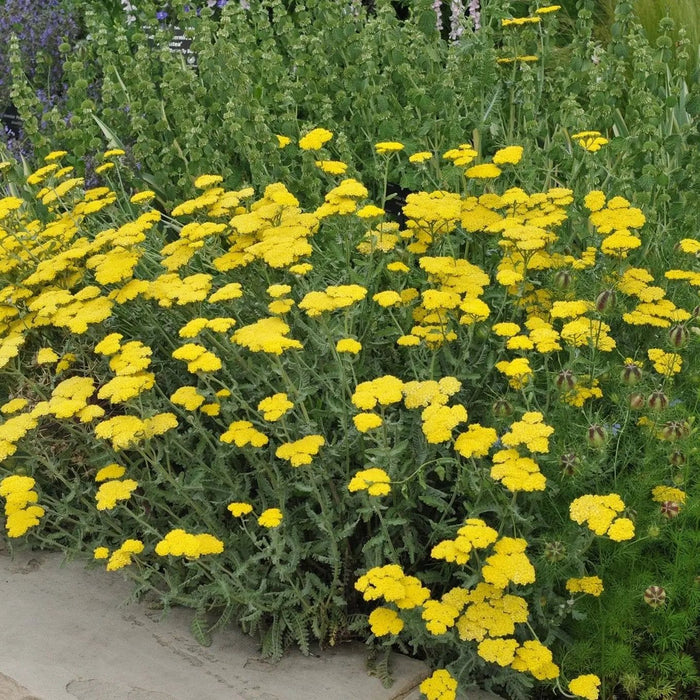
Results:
<point x="474" y="534"/>
<point x="179" y="543"/>
<point x="390" y="583"/>
<point x="21" y="510"/>
<point x="301" y="451"/>
<point x="373" y="480"/>
<point x="600" y="514"/>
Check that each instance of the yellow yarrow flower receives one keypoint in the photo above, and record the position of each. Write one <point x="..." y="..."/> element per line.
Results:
<point x="301" y="451"/>
<point x="383" y="621"/>
<point x="665" y="363"/>
<point x="510" y="155"/>
<point x="383" y="390"/>
<point x="205" y="181"/>
<point x="266" y="335"/>
<point x="109" y="345"/>
<point x="46" y="356"/>
<point x="188" y="397"/>
<point x="111" y="471"/>
<point x="278" y="290"/>
<point x="439" y="421"/>
<point x="348" y="345"/>
<point x="283" y="141"/>
<point x="506" y="329"/>
<point x="498" y="651"/>
<point x="369" y="211"/>
<point x="591" y="141"/>
<point x="534" y="657"/>
<point x="593" y="585"/>
<point x="547" y="10"/>
<point x="242" y="433"/>
<point x="509" y="563"/>
<point x="384" y="147"/>
<point x="233" y="290"/>
<point x="270" y="518"/>
<point x="476" y="442"/>
<point x="112" y="491"/>
<point x="275" y="406"/>
<point x="38" y="176"/>
<point x="332" y="167"/>
<point x="142" y="197"/>
<point x="55" y="155"/>
<point x="390" y="582"/>
<point x="485" y="171"/>
<point x="374" y="480"/>
<point x="420" y="157"/>
<point x="586" y="686"/>
<point x="519" y="21"/>
<point x="439" y="686"/>
<point x="239" y="509"/>
<point x="518" y="371"/>
<point x="367" y="421"/>
<point x="180" y="543"/>
<point x="387" y="298"/>
<point x="600" y="514"/>
<point x="531" y="432"/>
<point x="13" y="406"/>
<point x="661" y="494"/>
<point x="315" y="139"/>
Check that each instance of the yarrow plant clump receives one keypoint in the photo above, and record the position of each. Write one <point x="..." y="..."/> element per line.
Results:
<point x="434" y="431"/>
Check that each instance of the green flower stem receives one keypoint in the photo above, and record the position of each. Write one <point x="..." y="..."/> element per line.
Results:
<point x="291" y="387"/>
<point x="394" y="554"/>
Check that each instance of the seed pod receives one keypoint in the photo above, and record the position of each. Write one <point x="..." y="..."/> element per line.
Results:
<point x="677" y="458"/>
<point x="631" y="374"/>
<point x="554" y="551"/>
<point x="605" y="301"/>
<point x="596" y="436"/>
<point x="563" y="279"/>
<point x="637" y="401"/>
<point x="657" y="401"/>
<point x="670" y="509"/>
<point x="502" y="408"/>
<point x="671" y="431"/>
<point x="655" y="596"/>
<point x="569" y="463"/>
<point x="566" y="380"/>
<point x="653" y="531"/>
<point x="678" y="336"/>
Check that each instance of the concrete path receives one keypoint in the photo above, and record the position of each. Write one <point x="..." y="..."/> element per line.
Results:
<point x="66" y="633"/>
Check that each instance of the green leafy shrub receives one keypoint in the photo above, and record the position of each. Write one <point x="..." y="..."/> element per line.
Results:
<point x="300" y="64"/>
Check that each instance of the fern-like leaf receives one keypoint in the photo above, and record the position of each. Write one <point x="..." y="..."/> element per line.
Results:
<point x="200" y="629"/>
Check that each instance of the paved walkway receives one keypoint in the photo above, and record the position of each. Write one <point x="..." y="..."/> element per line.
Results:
<point x="67" y="633"/>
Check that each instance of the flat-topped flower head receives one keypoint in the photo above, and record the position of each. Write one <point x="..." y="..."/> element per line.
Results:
<point x="270" y="518"/>
<point x="315" y="139"/>
<point x="373" y="480"/>
<point x="384" y="147"/>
